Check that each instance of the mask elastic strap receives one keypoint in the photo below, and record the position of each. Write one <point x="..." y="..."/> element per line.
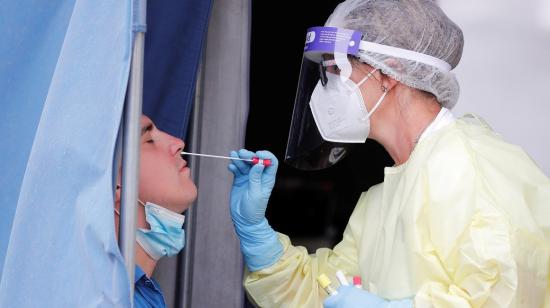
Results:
<point x="365" y="78"/>
<point x="378" y="103"/>
<point x="139" y="201"/>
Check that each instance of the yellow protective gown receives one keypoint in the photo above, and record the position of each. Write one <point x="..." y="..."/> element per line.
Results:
<point x="463" y="223"/>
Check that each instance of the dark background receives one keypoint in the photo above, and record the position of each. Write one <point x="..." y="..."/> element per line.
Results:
<point x="312" y="207"/>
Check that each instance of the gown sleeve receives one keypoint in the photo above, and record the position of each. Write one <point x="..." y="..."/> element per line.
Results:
<point x="292" y="281"/>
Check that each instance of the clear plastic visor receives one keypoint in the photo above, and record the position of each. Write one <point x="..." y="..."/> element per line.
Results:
<point x="327" y="50"/>
<point x="306" y="149"/>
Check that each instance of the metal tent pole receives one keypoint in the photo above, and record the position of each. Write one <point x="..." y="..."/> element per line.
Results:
<point x="131" y="137"/>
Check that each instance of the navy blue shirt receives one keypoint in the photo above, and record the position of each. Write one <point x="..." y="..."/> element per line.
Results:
<point x="147" y="293"/>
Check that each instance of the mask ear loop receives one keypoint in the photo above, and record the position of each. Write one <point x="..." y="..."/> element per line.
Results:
<point x="356" y="87"/>
<point x="370" y="74"/>
<point x="139" y="201"/>
<point x="379" y="101"/>
<point x="381" y="97"/>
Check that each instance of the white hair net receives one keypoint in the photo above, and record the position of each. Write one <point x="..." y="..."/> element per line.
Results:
<point x="415" y="25"/>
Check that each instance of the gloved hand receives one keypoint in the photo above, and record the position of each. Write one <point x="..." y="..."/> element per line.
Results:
<point x="351" y="297"/>
<point x="252" y="185"/>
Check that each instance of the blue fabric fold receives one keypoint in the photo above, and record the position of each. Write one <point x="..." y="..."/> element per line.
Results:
<point x="176" y="32"/>
<point x="62" y="250"/>
<point x="31" y="43"/>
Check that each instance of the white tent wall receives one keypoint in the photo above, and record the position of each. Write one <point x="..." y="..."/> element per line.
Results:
<point x="504" y="73"/>
<point x="211" y="268"/>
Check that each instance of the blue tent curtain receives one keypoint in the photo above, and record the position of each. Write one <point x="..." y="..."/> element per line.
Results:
<point x="176" y="31"/>
<point x="63" y="77"/>
<point x="64" y="74"/>
<point x="27" y="64"/>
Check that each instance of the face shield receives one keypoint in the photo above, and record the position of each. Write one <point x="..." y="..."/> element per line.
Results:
<point x="325" y="59"/>
<point x="329" y="111"/>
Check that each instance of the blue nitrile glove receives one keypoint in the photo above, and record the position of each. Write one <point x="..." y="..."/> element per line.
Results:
<point x="351" y="297"/>
<point x="252" y="185"/>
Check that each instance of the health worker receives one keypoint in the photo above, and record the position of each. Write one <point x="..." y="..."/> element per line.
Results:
<point x="460" y="220"/>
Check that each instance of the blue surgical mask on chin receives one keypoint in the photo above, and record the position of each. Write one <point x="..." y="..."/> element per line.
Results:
<point x="166" y="236"/>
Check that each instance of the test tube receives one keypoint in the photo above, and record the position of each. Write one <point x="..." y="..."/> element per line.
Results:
<point x="357" y="282"/>
<point x="342" y="278"/>
<point x="326" y="284"/>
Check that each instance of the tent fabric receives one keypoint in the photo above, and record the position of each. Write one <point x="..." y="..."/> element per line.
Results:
<point x="62" y="251"/>
<point x="176" y="31"/>
<point x="27" y="64"/>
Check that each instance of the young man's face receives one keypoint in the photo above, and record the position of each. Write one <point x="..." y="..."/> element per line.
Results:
<point x="164" y="177"/>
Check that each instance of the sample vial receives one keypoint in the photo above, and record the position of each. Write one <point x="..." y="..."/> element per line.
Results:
<point x="357" y="282"/>
<point x="342" y="278"/>
<point x="326" y="284"/>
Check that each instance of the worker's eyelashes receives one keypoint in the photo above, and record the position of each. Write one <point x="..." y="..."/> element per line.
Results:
<point x="150" y="141"/>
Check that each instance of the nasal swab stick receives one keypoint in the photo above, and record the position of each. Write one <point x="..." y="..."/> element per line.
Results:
<point x="253" y="160"/>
